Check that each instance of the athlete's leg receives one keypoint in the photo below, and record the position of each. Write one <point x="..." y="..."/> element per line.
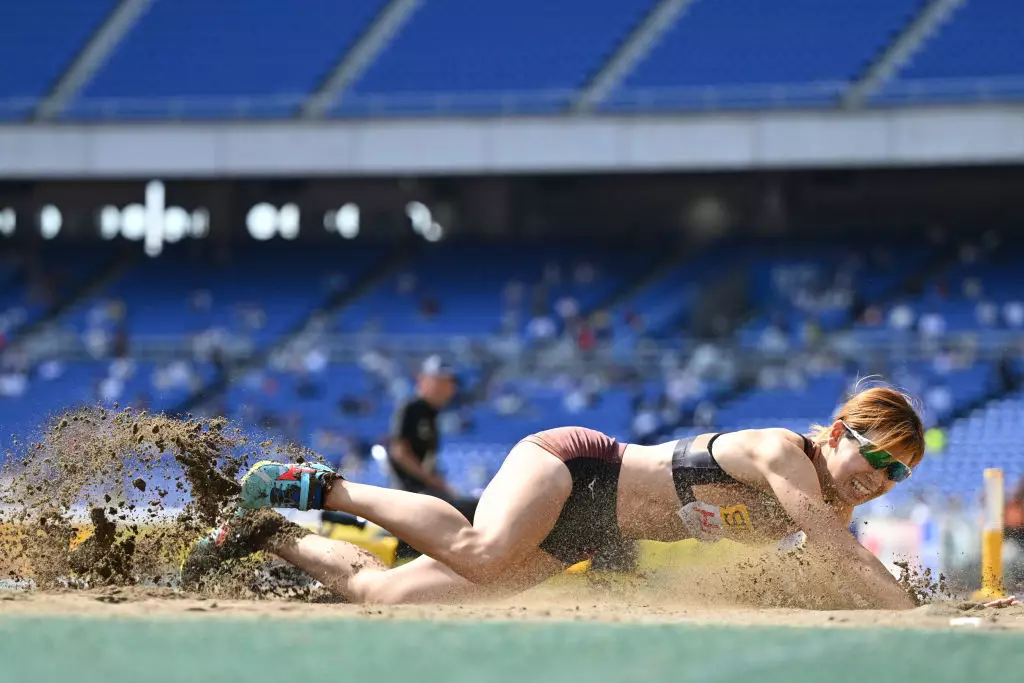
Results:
<point x="517" y="511"/>
<point x="335" y="564"/>
<point x="427" y="580"/>
<point x="359" y="576"/>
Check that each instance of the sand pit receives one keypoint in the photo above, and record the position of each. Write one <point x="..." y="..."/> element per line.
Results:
<point x="105" y="476"/>
<point x="540" y="605"/>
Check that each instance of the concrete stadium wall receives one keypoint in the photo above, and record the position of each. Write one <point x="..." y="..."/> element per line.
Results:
<point x="739" y="141"/>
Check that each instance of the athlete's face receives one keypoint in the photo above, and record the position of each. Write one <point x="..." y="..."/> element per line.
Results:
<point x="856" y="480"/>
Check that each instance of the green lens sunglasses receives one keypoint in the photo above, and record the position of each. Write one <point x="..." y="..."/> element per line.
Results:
<point x="878" y="459"/>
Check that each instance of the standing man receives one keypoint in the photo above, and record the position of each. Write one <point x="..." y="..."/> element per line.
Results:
<point x="414" y="437"/>
<point x="413" y="444"/>
<point x="414" y="441"/>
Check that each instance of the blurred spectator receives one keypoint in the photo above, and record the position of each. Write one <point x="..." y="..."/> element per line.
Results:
<point x="586" y="340"/>
<point x="932" y="326"/>
<point x="1009" y="378"/>
<point x="13" y="383"/>
<point x="972" y="288"/>
<point x="601" y="322"/>
<point x="120" y="344"/>
<point x="315" y="361"/>
<point x="576" y="401"/>
<point x="567" y="308"/>
<point x="354" y="406"/>
<point x="938" y="401"/>
<point x="1013" y="314"/>
<point x="508" y="402"/>
<point x="109" y="389"/>
<point x="986" y="314"/>
<point x="541" y="328"/>
<point x="773" y="339"/>
<point x="645" y="425"/>
<point x="901" y="317"/>
<point x="704" y="415"/>
<point x="50" y="370"/>
<point x="97" y="342"/>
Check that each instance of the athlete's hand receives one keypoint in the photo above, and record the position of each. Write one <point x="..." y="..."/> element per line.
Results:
<point x="1003" y="602"/>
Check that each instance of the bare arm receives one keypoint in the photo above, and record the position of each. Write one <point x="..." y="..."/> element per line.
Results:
<point x="402" y="456"/>
<point x="794" y="482"/>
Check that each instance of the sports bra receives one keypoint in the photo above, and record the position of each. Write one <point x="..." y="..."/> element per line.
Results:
<point x="694" y="468"/>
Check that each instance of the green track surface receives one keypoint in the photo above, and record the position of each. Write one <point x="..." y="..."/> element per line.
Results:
<point x="132" y="651"/>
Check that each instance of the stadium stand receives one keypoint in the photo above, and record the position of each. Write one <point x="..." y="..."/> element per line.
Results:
<point x="262" y="57"/>
<point x="42" y="48"/>
<point x="251" y="293"/>
<point x="461" y="47"/>
<point x="980" y="42"/>
<point x="453" y="291"/>
<point x="799" y="42"/>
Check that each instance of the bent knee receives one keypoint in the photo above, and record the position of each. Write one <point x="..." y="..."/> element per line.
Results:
<point x="482" y="557"/>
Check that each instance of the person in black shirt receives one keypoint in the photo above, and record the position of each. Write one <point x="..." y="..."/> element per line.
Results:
<point x="413" y="442"/>
<point x="415" y="439"/>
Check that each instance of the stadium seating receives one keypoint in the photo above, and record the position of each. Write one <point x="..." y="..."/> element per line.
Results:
<point x="783" y="275"/>
<point x="981" y="41"/>
<point x="30" y="285"/>
<point x="259" y="59"/>
<point x="42" y="37"/>
<point x="986" y="277"/>
<point x="269" y="52"/>
<point x="989" y="437"/>
<point x="67" y="385"/>
<point x="260" y="293"/>
<point x="460" y="47"/>
<point x="749" y="43"/>
<point x="468" y="286"/>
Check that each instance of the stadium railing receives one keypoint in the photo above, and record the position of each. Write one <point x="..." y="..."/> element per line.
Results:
<point x="690" y="98"/>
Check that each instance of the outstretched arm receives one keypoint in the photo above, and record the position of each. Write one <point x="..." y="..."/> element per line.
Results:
<point x="794" y="482"/>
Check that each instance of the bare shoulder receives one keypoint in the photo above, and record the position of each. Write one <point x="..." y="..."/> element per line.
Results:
<point x="760" y="440"/>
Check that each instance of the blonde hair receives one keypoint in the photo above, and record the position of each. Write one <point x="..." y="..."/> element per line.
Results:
<point x="883" y="414"/>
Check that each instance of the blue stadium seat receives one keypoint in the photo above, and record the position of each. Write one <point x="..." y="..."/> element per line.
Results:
<point x="157" y="292"/>
<point x="42" y="38"/>
<point x="77" y="386"/>
<point x="755" y="43"/>
<point x="273" y="52"/>
<point x="980" y="41"/>
<point x="460" y="47"/>
<point x="467" y="283"/>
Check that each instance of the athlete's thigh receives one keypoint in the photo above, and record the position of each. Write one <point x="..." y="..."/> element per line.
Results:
<point x="522" y="502"/>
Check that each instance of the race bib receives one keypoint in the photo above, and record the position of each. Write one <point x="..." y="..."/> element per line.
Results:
<point x="710" y="522"/>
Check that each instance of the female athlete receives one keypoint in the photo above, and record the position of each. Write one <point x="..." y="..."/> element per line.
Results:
<point x="563" y="494"/>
